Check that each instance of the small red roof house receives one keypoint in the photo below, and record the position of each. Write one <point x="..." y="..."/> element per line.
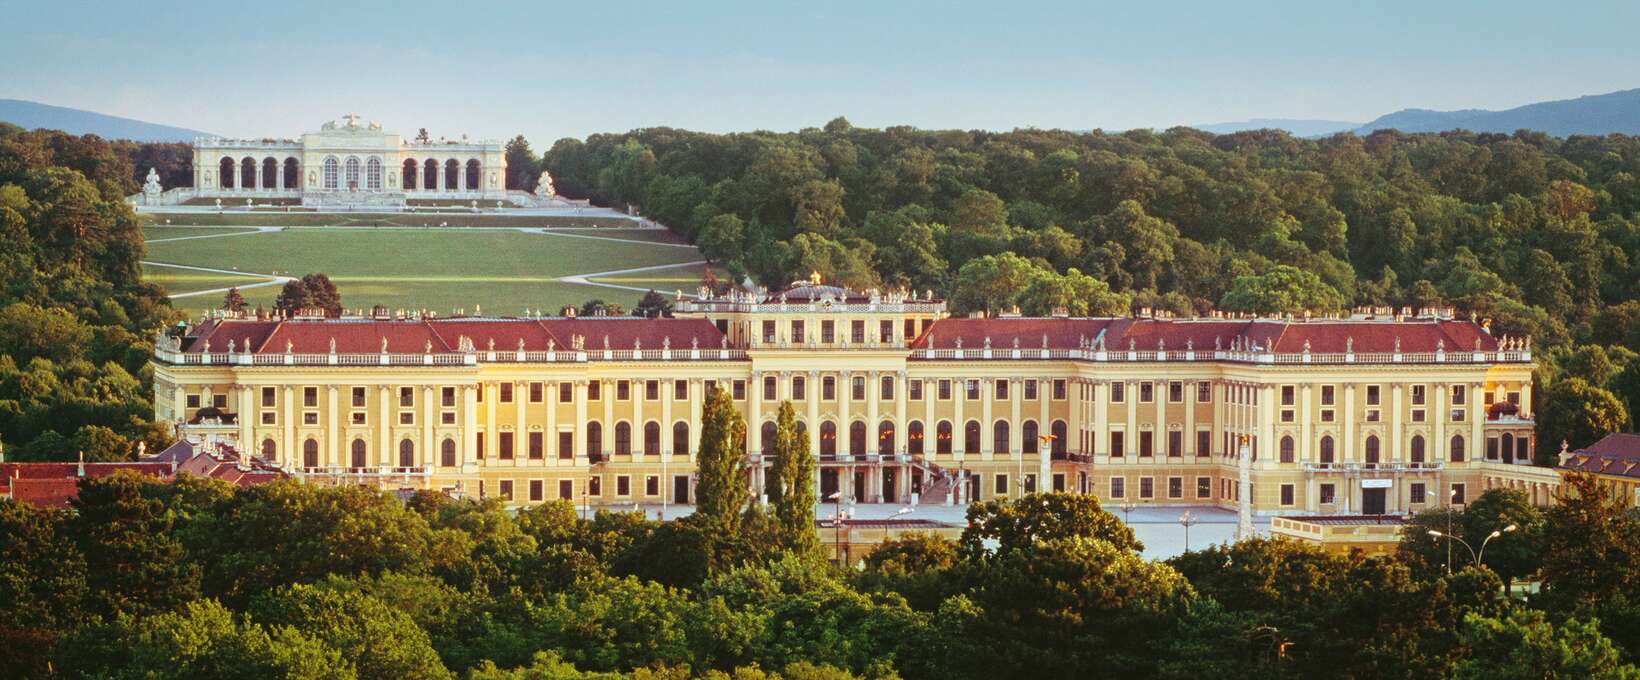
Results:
<point x="53" y="485"/>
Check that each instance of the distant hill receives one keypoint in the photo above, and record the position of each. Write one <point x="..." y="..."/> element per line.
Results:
<point x="1297" y="127"/>
<point x="30" y="115"/>
<point x="1597" y="114"/>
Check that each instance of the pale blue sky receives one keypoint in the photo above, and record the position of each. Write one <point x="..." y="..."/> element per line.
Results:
<point x="495" y="69"/>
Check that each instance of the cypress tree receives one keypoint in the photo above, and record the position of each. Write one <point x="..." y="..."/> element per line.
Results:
<point x="791" y="484"/>
<point x="721" y="495"/>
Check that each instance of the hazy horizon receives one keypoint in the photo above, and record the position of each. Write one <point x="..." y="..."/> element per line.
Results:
<point x="550" y="72"/>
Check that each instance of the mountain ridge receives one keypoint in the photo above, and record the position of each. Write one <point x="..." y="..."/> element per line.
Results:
<point x="30" y="115"/>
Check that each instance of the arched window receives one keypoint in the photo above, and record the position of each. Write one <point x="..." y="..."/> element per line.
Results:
<point x="885" y="438"/>
<point x="1286" y="449"/>
<point x="1372" y="448"/>
<point x="408" y="182"/>
<point x="652" y="438"/>
<point x="942" y="437"/>
<point x="373" y="174"/>
<point x="447" y="453"/>
<point x="452" y="175"/>
<point x="680" y="438"/>
<point x="595" y="438"/>
<point x="1507" y="443"/>
<point x="350" y="173"/>
<point x="225" y="173"/>
<point x="970" y="437"/>
<point x="1417" y="448"/>
<point x="330" y="174"/>
<point x="247" y="173"/>
<point x="623" y="438"/>
<point x="857" y="438"/>
<point x="310" y="453"/>
<point x="1059" y="439"/>
<point x="270" y="450"/>
<point x="270" y="173"/>
<point x="472" y="175"/>
<point x="1457" y="448"/>
<point x="768" y="433"/>
<point x="361" y="456"/>
<point x="293" y="174"/>
<point x="1326" y="449"/>
<point x="407" y="453"/>
<point x="828" y="439"/>
<point x="914" y="437"/>
<point x="999" y="436"/>
<point x="429" y="175"/>
<point x="1029" y="437"/>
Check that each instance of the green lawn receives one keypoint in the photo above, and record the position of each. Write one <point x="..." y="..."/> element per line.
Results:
<point x="452" y="219"/>
<point x="440" y="270"/>
<point x="156" y="232"/>
<point x="187" y="281"/>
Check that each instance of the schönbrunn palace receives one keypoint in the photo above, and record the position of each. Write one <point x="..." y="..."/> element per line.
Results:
<point x="1374" y="413"/>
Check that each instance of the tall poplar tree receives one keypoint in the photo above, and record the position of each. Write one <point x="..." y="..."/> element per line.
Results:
<point x="721" y="495"/>
<point x="791" y="483"/>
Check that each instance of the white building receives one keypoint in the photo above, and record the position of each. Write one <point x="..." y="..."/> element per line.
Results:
<point x="344" y="163"/>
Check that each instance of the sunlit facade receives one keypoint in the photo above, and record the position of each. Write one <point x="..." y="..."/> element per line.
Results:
<point x="1376" y="413"/>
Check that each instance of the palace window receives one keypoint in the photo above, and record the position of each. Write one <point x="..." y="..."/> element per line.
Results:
<point x="739" y="390"/>
<point x="268" y="417"/>
<point x="1417" y="493"/>
<point x="799" y="388"/>
<point x="885" y="331"/>
<point x="1030" y="390"/>
<point x="373" y="174"/>
<point x="797" y="331"/>
<point x="1058" y="389"/>
<point x="680" y="389"/>
<point x="828" y="388"/>
<point x="506" y="490"/>
<point x="915" y="388"/>
<point x="330" y="174"/>
<point x="1000" y="389"/>
<point x="358" y="397"/>
<point x="886" y="390"/>
<point x="566" y="489"/>
<point x="973" y="390"/>
<point x="828" y="332"/>
<point x="1372" y="395"/>
<point x="623" y="390"/>
<point x="1287" y="395"/>
<point x="505" y="445"/>
<point x="1147" y="444"/>
<point x="268" y="397"/>
<point x="351" y="173"/>
<point x="1117" y="444"/>
<point x="1175" y="443"/>
<point x="566" y="392"/>
<point x="1327" y="394"/>
<point x="1175" y="392"/>
<point x="538" y="446"/>
<point x="537" y="493"/>
<point x="536" y="390"/>
<point x="595" y="390"/>
<point x="1175" y="487"/>
<point x="1286" y="494"/>
<point x="1147" y="487"/>
<point x="914" y="438"/>
<point x="1458" y="494"/>
<point x="623" y="485"/>
<point x="770" y="388"/>
<point x="651" y="485"/>
<point x="857" y="332"/>
<point x="1118" y="487"/>
<point x="945" y="390"/>
<point x="1418" y="394"/>
<point x="1204" y="392"/>
<point x="768" y="331"/>
<point x="857" y="388"/>
<point x="1204" y="442"/>
<point x="1118" y="392"/>
<point x="507" y="392"/>
<point x="407" y="417"/>
<point x="1147" y="392"/>
<point x="1029" y="436"/>
<point x="1327" y="494"/>
<point x="447" y="397"/>
<point x="1204" y="487"/>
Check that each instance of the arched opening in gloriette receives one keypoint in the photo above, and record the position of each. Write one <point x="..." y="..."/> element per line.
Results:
<point x="293" y="174"/>
<point x="452" y="175"/>
<point x="373" y="174"/>
<point x="429" y="175"/>
<point x="351" y="169"/>
<point x="409" y="180"/>
<point x="270" y="173"/>
<point x="247" y="173"/>
<point x="472" y="175"/>
<point x="331" y="174"/>
<point x="225" y="173"/>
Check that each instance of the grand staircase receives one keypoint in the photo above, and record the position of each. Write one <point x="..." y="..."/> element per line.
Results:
<point x="937" y="485"/>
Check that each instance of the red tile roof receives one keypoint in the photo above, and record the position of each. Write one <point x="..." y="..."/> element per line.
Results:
<point x="623" y="331"/>
<point x="353" y="336"/>
<point x="55" y="484"/>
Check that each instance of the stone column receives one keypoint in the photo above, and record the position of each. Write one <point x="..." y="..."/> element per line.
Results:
<point x="754" y="418"/>
<point x="1473" y="411"/>
<point x="427" y="453"/>
<point x="639" y="392"/>
<point x="461" y="174"/>
<point x="1189" y="436"/>
<point x="521" y="436"/>
<point x="1355" y="455"/>
<point x="288" y="452"/>
<point x="666" y="419"/>
<point x="492" y="394"/>
<point x="813" y="424"/>
<point x="1306" y="437"/>
<point x="1101" y="421"/>
<point x="608" y="440"/>
<point x="697" y="393"/>
<point x="1016" y="427"/>
<point x="1159" y="438"/>
<point x="1267" y="426"/>
<point x="247" y="445"/>
<point x="332" y="443"/>
<point x="874" y="483"/>
<point x="579" y="438"/>
<point x="959" y="423"/>
<point x="385" y="445"/>
<point x="258" y="186"/>
<point x="549" y="432"/>
<point x="1436" y="411"/>
<point x="440" y="166"/>
<point x="469" y="427"/>
<point x="1395" y="433"/>
<point x="845" y="389"/>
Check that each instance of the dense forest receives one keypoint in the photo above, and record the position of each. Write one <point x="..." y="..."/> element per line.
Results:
<point x="157" y="581"/>
<point x="75" y="316"/>
<point x="1538" y="234"/>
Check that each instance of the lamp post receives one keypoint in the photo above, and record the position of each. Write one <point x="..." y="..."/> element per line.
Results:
<point x="1127" y="509"/>
<point x="1474" y="555"/>
<point x="897" y="514"/>
<point x="1187" y="520"/>
<point x="836" y="499"/>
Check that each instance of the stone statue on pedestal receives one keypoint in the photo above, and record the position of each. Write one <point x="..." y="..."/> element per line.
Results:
<point x="151" y="188"/>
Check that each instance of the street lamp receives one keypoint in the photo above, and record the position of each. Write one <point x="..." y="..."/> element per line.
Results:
<point x="1127" y="509"/>
<point x="897" y="514"/>
<point x="836" y="499"/>
<point x="1474" y="555"/>
<point x="1187" y="520"/>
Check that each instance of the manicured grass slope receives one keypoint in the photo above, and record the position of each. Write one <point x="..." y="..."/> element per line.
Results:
<point x="440" y="270"/>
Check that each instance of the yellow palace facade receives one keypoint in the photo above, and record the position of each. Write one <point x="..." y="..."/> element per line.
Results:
<point x="1376" y="413"/>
